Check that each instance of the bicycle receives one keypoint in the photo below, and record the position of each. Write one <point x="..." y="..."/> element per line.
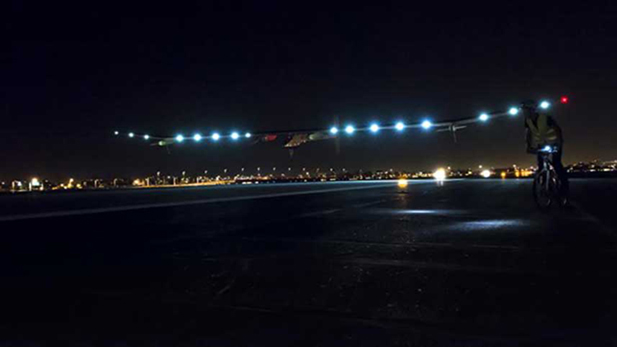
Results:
<point x="547" y="186"/>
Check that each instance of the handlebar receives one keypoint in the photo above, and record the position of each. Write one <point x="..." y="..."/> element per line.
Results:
<point x="548" y="149"/>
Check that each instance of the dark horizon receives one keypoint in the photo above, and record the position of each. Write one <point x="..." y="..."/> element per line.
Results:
<point x="75" y="74"/>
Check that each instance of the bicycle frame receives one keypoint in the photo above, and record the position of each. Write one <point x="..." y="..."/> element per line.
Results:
<point x="547" y="172"/>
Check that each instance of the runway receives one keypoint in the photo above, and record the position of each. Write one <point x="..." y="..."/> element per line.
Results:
<point x="340" y="263"/>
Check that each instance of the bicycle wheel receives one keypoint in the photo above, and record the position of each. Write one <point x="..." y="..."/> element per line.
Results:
<point x="560" y="195"/>
<point x="541" y="195"/>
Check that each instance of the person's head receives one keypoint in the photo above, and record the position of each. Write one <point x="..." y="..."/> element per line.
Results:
<point x="529" y="108"/>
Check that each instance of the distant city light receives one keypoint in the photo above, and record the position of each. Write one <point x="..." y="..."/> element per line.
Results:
<point x="564" y="99"/>
<point x="427" y="124"/>
<point x="402" y="183"/>
<point x="333" y="130"/>
<point x="545" y="104"/>
<point x="179" y="138"/>
<point x="35" y="182"/>
<point x="399" y="126"/>
<point x="146" y="137"/>
<point x="131" y="135"/>
<point x="440" y="174"/>
<point x="513" y="111"/>
<point x="197" y="137"/>
<point x="116" y="133"/>
<point x="247" y="135"/>
<point x="546" y="148"/>
<point x="483" y="117"/>
<point x="503" y="174"/>
<point x="216" y="136"/>
<point x="374" y="128"/>
<point x="350" y="129"/>
<point x="485" y="173"/>
<point x="235" y="135"/>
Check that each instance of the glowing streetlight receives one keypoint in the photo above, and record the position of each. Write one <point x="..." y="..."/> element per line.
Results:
<point x="334" y="130"/>
<point x="247" y="135"/>
<point x="485" y="173"/>
<point x="350" y="129"/>
<point x="131" y="135"/>
<point x="483" y="117"/>
<point x="374" y="128"/>
<point x="399" y="126"/>
<point x="513" y="111"/>
<point x="216" y="136"/>
<point x="545" y="104"/>
<point x="179" y="138"/>
<point x="116" y="133"/>
<point x="426" y="124"/>
<point x="235" y="136"/>
<point x="146" y="137"/>
<point x="197" y="137"/>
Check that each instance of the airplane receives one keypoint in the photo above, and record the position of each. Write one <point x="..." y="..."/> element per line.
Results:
<point x="297" y="138"/>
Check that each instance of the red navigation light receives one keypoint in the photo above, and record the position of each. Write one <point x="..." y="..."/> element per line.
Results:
<point x="564" y="99"/>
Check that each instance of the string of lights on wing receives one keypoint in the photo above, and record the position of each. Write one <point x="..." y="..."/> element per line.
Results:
<point x="298" y="137"/>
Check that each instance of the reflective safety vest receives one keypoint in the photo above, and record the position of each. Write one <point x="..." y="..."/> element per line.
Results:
<point x="541" y="132"/>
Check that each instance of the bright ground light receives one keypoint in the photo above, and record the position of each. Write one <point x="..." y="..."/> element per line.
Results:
<point x="440" y="174"/>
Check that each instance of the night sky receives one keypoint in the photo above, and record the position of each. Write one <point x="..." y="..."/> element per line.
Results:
<point x="74" y="73"/>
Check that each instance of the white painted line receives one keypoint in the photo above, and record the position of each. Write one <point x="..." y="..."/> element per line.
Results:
<point x="88" y="211"/>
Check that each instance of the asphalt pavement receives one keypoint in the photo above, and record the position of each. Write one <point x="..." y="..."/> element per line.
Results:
<point x="466" y="263"/>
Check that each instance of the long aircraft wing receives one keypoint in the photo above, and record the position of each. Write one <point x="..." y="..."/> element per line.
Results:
<point x="297" y="137"/>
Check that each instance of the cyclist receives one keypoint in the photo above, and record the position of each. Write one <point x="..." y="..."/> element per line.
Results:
<point x="542" y="130"/>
